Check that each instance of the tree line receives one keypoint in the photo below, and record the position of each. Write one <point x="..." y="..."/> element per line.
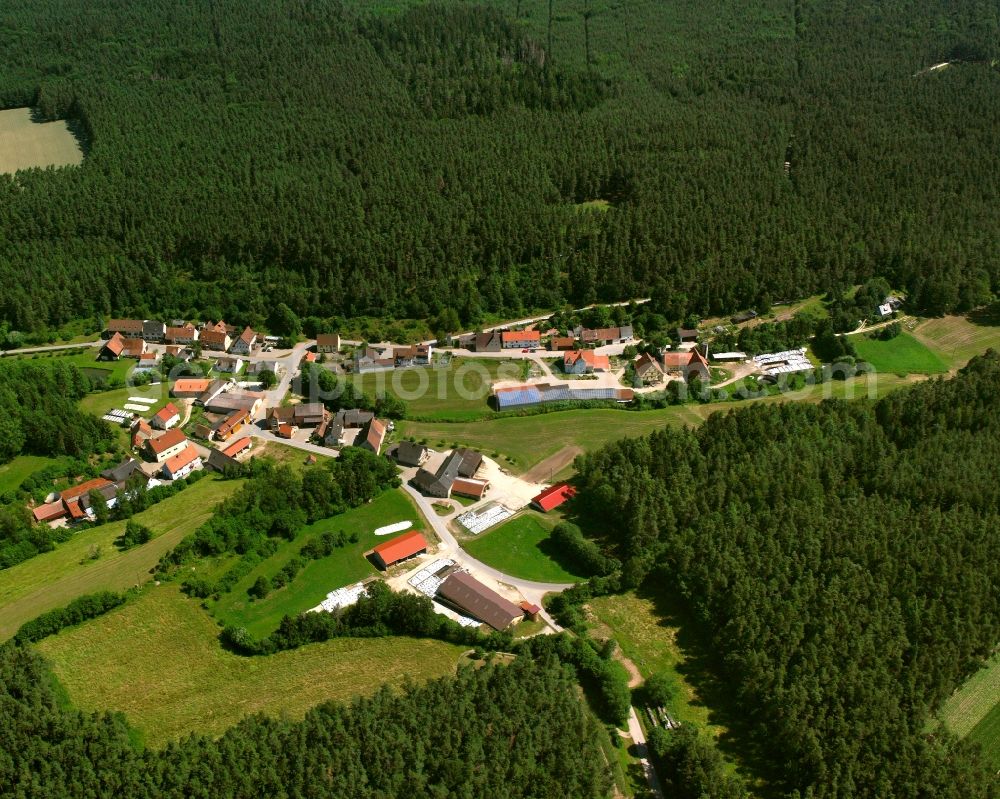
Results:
<point x="501" y="732"/>
<point x="443" y="165"/>
<point x="840" y="559"/>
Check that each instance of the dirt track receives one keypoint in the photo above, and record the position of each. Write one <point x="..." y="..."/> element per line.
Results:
<point x="542" y="472"/>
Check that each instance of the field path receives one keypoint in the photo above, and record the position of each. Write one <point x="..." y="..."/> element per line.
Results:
<point x="543" y="471"/>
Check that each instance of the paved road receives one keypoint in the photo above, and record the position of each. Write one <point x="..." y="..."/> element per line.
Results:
<point x="642" y="753"/>
<point x="531" y="590"/>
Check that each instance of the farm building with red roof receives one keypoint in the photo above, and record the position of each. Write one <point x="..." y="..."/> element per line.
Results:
<point x="553" y="497"/>
<point x="399" y="548"/>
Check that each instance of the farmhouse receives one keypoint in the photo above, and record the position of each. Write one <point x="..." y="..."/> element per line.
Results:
<point x="471" y="488"/>
<point x="190" y="387"/>
<point x="141" y="432"/>
<point x="687" y="364"/>
<point x="215" y="337"/>
<point x="249" y="401"/>
<point x="469" y="463"/>
<point x="120" y="474"/>
<point x="148" y="362"/>
<point x="398" y="549"/>
<point x="561" y="343"/>
<point x="166" y="417"/>
<point x="579" y="362"/>
<point x="214" y="389"/>
<point x="256" y="367"/>
<point x="126" y="328"/>
<point x="374" y="360"/>
<point x="231" y="365"/>
<point x="470" y="596"/>
<point x="185" y="334"/>
<point x="285" y="430"/>
<point x="520" y="339"/>
<point x="648" y="369"/>
<point x="75" y="501"/>
<point x="328" y="342"/>
<point x="606" y="335"/>
<point x="488" y="342"/>
<point x="134" y="347"/>
<point x="244" y="344"/>
<point x="333" y="431"/>
<point x="410" y="454"/>
<point x="553" y="497"/>
<point x="166" y="446"/>
<point x="373" y="436"/>
<point x="439" y="483"/>
<point x="182" y="464"/>
<point x="113" y="348"/>
<point x="153" y="330"/>
<point x="231" y="425"/>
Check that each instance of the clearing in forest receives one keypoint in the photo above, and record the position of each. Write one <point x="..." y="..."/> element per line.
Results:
<point x="973" y="711"/>
<point x="25" y="144"/>
<point x="957" y="339"/>
<point x="903" y="354"/>
<point x="158" y="660"/>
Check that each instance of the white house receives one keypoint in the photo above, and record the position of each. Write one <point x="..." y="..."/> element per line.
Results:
<point x="234" y="365"/>
<point x="166" y="417"/>
<point x="182" y="464"/>
<point x="244" y="344"/>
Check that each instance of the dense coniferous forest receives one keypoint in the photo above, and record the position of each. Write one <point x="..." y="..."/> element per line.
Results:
<point x="842" y="559"/>
<point x="347" y="160"/>
<point x="500" y="732"/>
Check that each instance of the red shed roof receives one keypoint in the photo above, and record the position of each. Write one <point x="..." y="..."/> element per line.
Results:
<point x="554" y="496"/>
<point x="401" y="547"/>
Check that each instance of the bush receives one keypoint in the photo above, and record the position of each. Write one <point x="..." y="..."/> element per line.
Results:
<point x="261" y="588"/>
<point x="89" y="606"/>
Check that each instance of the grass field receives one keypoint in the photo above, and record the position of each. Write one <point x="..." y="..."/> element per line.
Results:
<point x="457" y="392"/>
<point x="15" y="472"/>
<point x="52" y="579"/>
<point x="523" y="441"/>
<point x="973" y="711"/>
<point x="526" y="440"/>
<point x="344" y="567"/>
<point x="901" y="355"/>
<point x="987" y="734"/>
<point x="652" y="644"/>
<point x="518" y="547"/>
<point x="25" y="144"/>
<point x="157" y="659"/>
<point x="971" y="703"/>
<point x="99" y="403"/>
<point x="957" y="339"/>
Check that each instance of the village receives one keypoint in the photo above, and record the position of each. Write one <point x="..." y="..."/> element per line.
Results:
<point x="233" y="390"/>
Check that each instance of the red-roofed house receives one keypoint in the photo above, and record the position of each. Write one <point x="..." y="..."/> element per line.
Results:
<point x="520" y="339"/>
<point x="470" y="487"/>
<point x="166" y="446"/>
<point x="134" y="347"/>
<point x="231" y="425"/>
<point x="579" y="362"/>
<point x="244" y="343"/>
<point x="182" y="464"/>
<point x="127" y="328"/>
<point x="166" y="417"/>
<point x="374" y="436"/>
<point x="399" y="548"/>
<point x="553" y="497"/>
<point x="113" y="348"/>
<point x="191" y="387"/>
<point x="215" y="337"/>
<point x="186" y="334"/>
<point x="75" y="501"/>
<point x="238" y="446"/>
<point x="687" y="363"/>
<point x="561" y="343"/>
